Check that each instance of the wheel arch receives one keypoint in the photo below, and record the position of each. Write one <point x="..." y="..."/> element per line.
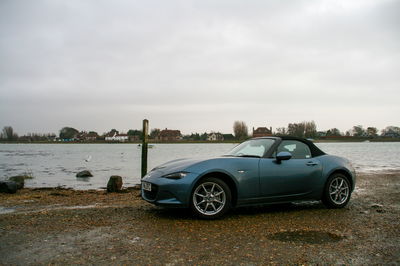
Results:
<point x="224" y="177"/>
<point x="345" y="173"/>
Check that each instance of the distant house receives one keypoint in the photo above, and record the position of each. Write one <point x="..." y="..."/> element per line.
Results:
<point x="262" y="132"/>
<point x="110" y="135"/>
<point x="215" y="137"/>
<point x="85" y="136"/>
<point x="92" y="136"/>
<point x="121" y="137"/>
<point x="169" y="135"/>
<point x="115" y="136"/>
<point x="391" y="134"/>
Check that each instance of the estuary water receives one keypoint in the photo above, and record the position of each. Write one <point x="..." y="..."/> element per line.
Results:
<point x="57" y="164"/>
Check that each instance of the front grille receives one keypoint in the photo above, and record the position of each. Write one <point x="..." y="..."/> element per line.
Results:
<point x="151" y="195"/>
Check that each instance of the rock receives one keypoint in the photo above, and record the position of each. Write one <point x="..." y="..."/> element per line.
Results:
<point x="376" y="206"/>
<point x="84" y="173"/>
<point x="114" y="184"/>
<point x="19" y="179"/>
<point x="8" y="187"/>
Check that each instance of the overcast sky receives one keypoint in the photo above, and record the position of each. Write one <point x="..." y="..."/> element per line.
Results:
<point x="198" y="65"/>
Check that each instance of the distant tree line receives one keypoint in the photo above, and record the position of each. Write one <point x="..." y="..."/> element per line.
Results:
<point x="305" y="129"/>
<point x="302" y="130"/>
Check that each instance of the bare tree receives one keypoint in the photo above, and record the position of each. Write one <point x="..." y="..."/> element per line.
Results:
<point x="240" y="130"/>
<point x="310" y="129"/>
<point x="296" y="129"/>
<point x="8" y="133"/>
<point x="391" y="131"/>
<point x="359" y="131"/>
<point x="334" y="132"/>
<point x="281" y="131"/>
<point x="303" y="129"/>
<point x="372" y="132"/>
<point x="155" y="132"/>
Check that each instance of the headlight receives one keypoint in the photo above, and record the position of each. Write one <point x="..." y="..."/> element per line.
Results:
<point x="177" y="175"/>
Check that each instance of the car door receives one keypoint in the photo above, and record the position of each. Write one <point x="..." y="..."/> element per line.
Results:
<point x="290" y="179"/>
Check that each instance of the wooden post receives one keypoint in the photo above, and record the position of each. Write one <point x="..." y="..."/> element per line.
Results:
<point x="145" y="146"/>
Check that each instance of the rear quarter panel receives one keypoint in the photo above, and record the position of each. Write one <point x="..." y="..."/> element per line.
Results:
<point x="332" y="164"/>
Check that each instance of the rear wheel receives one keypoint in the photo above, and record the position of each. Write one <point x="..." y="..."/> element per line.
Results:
<point x="211" y="198"/>
<point x="337" y="191"/>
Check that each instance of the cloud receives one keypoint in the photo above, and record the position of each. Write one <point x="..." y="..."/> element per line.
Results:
<point x="265" y="62"/>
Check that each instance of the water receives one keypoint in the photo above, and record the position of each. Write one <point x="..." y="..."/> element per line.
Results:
<point x="367" y="156"/>
<point x="57" y="164"/>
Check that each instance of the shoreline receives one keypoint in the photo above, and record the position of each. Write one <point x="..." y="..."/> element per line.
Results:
<point x="137" y="185"/>
<point x="330" y="140"/>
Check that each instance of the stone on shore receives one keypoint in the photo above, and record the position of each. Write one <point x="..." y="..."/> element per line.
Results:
<point x="19" y="179"/>
<point x="114" y="184"/>
<point x="8" y="187"/>
<point x="84" y="173"/>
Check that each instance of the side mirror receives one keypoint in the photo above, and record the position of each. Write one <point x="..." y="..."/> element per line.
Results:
<point x="283" y="156"/>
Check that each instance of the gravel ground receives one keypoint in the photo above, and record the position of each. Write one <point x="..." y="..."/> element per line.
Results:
<point x="59" y="226"/>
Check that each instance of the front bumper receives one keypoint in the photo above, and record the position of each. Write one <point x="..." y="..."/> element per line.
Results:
<point x="169" y="192"/>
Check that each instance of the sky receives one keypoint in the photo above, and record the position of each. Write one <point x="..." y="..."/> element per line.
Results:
<point x="198" y="66"/>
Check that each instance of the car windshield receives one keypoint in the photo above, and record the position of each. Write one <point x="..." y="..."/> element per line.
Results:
<point x="252" y="148"/>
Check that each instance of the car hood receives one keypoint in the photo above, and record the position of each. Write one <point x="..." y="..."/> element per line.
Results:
<point x="175" y="166"/>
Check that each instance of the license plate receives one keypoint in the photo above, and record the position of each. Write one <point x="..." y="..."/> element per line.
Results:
<point x="146" y="186"/>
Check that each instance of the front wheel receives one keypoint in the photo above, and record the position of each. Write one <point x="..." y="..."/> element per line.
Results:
<point x="337" y="191"/>
<point x="211" y="198"/>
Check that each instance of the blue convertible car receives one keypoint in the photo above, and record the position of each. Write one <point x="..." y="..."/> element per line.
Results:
<point x="258" y="171"/>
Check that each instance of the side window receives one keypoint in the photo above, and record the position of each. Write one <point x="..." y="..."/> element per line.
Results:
<point x="298" y="149"/>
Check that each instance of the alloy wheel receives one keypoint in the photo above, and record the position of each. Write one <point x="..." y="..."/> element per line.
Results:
<point x="339" y="190"/>
<point x="209" y="198"/>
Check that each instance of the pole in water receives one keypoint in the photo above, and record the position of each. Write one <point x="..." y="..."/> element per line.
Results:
<point x="145" y="141"/>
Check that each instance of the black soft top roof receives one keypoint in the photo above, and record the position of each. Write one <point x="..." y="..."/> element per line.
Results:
<point x="315" y="151"/>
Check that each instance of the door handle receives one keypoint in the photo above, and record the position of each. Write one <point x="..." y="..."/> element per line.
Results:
<point x="311" y="163"/>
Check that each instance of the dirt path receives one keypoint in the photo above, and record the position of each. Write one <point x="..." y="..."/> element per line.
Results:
<point x="56" y="226"/>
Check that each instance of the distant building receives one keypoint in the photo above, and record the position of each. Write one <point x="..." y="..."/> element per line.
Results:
<point x="390" y="135"/>
<point x="169" y="135"/>
<point x="115" y="136"/>
<point x="262" y="132"/>
<point x="110" y="135"/>
<point x="91" y="136"/>
<point x="121" y="137"/>
<point x="215" y="136"/>
<point x="228" y="136"/>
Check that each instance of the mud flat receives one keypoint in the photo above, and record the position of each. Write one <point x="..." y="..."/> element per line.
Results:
<point x="59" y="226"/>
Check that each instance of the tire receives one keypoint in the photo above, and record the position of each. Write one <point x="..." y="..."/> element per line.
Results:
<point x="337" y="191"/>
<point x="211" y="198"/>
